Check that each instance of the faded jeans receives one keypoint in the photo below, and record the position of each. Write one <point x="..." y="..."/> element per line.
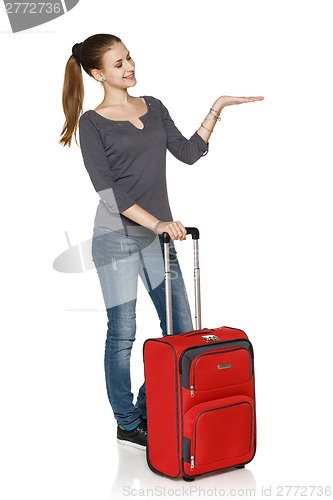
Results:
<point x="119" y="260"/>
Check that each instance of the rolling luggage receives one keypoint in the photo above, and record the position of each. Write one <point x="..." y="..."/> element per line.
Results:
<point x="200" y="393"/>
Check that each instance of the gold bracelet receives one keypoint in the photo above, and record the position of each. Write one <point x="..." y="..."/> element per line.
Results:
<point x="215" y="113"/>
<point x="203" y="126"/>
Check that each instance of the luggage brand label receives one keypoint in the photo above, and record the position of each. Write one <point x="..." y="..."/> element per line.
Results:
<point x="224" y="366"/>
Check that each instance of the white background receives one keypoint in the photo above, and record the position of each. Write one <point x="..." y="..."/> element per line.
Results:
<point x="261" y="198"/>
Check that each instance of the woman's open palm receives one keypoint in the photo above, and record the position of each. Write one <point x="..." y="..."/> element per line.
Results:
<point x="227" y="100"/>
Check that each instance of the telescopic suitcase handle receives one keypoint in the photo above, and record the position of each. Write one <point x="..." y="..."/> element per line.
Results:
<point x="194" y="232"/>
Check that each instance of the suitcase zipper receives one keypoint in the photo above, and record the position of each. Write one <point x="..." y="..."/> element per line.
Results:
<point x="192" y="462"/>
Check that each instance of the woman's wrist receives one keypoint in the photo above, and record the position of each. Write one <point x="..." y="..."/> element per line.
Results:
<point x="154" y="229"/>
<point x="214" y="113"/>
<point x="139" y="215"/>
<point x="218" y="104"/>
<point x="212" y="117"/>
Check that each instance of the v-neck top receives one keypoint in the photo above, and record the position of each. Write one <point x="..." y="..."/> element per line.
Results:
<point x="127" y="164"/>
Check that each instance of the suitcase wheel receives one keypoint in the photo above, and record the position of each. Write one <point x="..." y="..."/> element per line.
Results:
<point x="186" y="478"/>
<point x="240" y="467"/>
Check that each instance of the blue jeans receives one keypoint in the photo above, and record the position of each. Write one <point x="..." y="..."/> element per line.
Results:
<point x="120" y="260"/>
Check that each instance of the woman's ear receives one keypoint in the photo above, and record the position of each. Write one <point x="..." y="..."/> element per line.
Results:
<point x="95" y="73"/>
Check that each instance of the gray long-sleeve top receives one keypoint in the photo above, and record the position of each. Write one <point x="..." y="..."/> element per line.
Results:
<point x="127" y="165"/>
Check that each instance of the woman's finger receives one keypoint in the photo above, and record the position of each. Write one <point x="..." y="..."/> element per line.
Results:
<point x="181" y="231"/>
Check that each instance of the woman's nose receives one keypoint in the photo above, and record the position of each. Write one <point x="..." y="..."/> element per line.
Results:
<point x="130" y="65"/>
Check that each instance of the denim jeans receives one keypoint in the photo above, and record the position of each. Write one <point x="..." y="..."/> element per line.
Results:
<point x="120" y="259"/>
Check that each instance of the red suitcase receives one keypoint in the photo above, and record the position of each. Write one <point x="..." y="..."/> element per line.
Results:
<point x="200" y="394"/>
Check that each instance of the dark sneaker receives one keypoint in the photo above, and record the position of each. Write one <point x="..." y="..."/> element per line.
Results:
<point x="137" y="438"/>
<point x="144" y="423"/>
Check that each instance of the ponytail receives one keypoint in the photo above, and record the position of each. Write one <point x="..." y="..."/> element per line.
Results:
<point x="72" y="100"/>
<point x="88" y="55"/>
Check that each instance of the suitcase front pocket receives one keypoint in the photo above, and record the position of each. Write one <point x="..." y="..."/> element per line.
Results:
<point x="219" y="434"/>
<point x="216" y="366"/>
<point x="216" y="369"/>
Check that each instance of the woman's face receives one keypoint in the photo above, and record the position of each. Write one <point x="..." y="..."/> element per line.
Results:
<point x="118" y="67"/>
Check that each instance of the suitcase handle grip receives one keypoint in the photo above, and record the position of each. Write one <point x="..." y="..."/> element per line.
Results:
<point x="193" y="231"/>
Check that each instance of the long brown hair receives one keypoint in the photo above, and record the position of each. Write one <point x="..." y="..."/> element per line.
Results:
<point x="87" y="54"/>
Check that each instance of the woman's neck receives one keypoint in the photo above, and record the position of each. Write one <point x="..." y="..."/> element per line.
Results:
<point x="116" y="98"/>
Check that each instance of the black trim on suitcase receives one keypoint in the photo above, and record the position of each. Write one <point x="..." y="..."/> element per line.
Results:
<point x="186" y="449"/>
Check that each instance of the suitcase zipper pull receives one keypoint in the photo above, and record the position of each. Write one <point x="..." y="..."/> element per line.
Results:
<point x="192" y="463"/>
<point x="192" y="391"/>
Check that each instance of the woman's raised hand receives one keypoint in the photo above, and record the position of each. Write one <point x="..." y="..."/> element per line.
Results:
<point x="227" y="100"/>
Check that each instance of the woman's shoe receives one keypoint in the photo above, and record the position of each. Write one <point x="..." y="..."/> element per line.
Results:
<point x="137" y="438"/>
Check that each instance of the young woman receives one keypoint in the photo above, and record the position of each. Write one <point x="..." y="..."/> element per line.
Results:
<point x="124" y="141"/>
